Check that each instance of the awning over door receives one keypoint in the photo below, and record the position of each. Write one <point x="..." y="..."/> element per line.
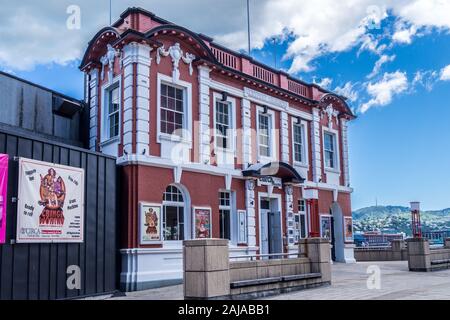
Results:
<point x="282" y="170"/>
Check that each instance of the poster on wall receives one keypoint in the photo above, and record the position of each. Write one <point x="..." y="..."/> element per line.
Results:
<point x="51" y="203"/>
<point x="3" y="195"/>
<point x="325" y="227"/>
<point x="348" y="229"/>
<point x="202" y="218"/>
<point x="150" y="223"/>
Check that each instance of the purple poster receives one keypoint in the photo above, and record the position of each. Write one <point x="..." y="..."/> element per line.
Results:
<point x="3" y="183"/>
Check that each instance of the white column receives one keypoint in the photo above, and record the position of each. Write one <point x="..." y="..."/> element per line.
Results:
<point x="344" y="139"/>
<point x="204" y="128"/>
<point x="246" y="133"/>
<point x="140" y="55"/>
<point x="251" y="214"/>
<point x="284" y="125"/>
<point x="316" y="146"/>
<point x="93" y="108"/>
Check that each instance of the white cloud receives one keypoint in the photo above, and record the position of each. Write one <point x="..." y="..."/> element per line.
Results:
<point x="383" y="59"/>
<point x="445" y="73"/>
<point x="404" y="35"/>
<point x="347" y="91"/>
<point x="324" y="83"/>
<point x="35" y="32"/>
<point x="383" y="91"/>
<point x="426" y="79"/>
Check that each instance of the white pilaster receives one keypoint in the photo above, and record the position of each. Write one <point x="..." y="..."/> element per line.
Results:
<point x="204" y="116"/>
<point x="316" y="146"/>
<point x="344" y="138"/>
<point x="289" y="203"/>
<point x="251" y="214"/>
<point x="246" y="133"/>
<point x="284" y="125"/>
<point x="93" y="108"/>
<point x="140" y="55"/>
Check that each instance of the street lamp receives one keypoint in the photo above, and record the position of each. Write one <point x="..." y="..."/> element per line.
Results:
<point x="415" y="219"/>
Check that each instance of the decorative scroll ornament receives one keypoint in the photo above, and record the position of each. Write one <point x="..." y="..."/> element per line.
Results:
<point x="331" y="113"/>
<point x="176" y="54"/>
<point x="108" y="59"/>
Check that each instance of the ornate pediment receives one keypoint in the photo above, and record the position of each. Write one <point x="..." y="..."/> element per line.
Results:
<point x="108" y="60"/>
<point x="176" y="53"/>
<point x="331" y="114"/>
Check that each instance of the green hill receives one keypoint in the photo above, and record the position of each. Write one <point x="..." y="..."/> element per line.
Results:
<point x="398" y="219"/>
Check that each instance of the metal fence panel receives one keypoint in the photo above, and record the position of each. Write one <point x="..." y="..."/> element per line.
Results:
<point x="38" y="271"/>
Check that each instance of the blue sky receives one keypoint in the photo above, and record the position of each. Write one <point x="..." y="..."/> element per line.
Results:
<point x="400" y="142"/>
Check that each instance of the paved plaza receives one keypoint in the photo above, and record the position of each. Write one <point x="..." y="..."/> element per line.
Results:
<point x="349" y="282"/>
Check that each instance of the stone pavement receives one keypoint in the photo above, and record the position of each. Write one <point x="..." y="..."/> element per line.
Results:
<point x="349" y="282"/>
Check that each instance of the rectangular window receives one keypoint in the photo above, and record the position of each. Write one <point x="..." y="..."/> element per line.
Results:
<point x="264" y="139"/>
<point x="172" y="110"/>
<point x="329" y="150"/>
<point x="173" y="223"/>
<point x="301" y="205"/>
<point x="302" y="218"/>
<point x="223" y="124"/>
<point x="113" y="112"/>
<point x="225" y="215"/>
<point x="298" y="143"/>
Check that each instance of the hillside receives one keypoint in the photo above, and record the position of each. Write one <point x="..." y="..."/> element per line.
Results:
<point x="398" y="219"/>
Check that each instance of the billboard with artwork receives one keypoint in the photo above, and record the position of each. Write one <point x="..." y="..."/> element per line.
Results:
<point x="51" y="202"/>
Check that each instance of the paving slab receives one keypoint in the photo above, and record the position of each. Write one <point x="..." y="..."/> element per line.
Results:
<point x="349" y="282"/>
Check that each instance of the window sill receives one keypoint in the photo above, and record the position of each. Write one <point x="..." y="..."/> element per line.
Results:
<point x="173" y="138"/>
<point x="301" y="164"/>
<point x="332" y="170"/>
<point x="109" y="141"/>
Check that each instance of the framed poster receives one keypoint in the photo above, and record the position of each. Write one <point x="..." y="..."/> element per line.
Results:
<point x="348" y="229"/>
<point x="325" y="226"/>
<point x="3" y="195"/>
<point x="242" y="219"/>
<point x="51" y="203"/>
<point x="150" y="222"/>
<point x="202" y="219"/>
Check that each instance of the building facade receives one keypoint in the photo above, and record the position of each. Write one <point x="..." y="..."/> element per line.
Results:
<point x="29" y="108"/>
<point x="212" y="143"/>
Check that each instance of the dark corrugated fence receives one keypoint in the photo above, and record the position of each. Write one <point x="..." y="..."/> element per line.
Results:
<point x="38" y="271"/>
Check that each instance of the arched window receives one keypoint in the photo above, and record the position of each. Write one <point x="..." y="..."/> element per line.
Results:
<point x="173" y="215"/>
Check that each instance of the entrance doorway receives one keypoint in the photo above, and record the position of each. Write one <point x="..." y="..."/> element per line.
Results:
<point x="270" y="226"/>
<point x="333" y="240"/>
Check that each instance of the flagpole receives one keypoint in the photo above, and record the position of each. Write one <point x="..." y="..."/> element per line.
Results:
<point x="248" y="25"/>
<point x="110" y="12"/>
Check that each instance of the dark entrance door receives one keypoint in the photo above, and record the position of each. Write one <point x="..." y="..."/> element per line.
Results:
<point x="275" y="245"/>
<point x="333" y="242"/>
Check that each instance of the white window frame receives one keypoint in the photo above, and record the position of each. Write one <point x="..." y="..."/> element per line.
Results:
<point x="303" y="213"/>
<point x="187" y="110"/>
<point x="231" y="135"/>
<point x="104" y="132"/>
<point x="186" y="221"/>
<point x="272" y="141"/>
<point x="305" y="147"/>
<point x="335" y="133"/>
<point x="230" y="207"/>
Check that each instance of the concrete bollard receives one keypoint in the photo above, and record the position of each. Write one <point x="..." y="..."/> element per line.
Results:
<point x="206" y="268"/>
<point x="419" y="254"/>
<point x="318" y="251"/>
<point x="447" y="243"/>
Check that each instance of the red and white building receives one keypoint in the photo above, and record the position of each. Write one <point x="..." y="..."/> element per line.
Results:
<point x="196" y="125"/>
